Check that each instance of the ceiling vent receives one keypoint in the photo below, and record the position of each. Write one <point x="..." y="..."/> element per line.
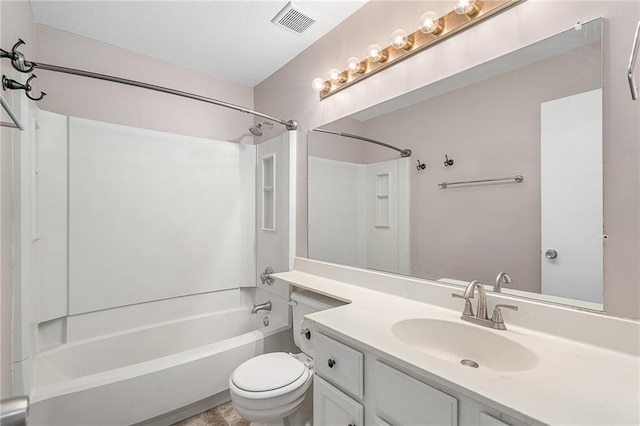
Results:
<point x="293" y="19"/>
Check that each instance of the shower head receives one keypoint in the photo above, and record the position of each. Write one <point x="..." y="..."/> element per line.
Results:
<point x="257" y="129"/>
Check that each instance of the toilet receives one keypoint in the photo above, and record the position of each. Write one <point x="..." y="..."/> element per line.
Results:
<point x="275" y="388"/>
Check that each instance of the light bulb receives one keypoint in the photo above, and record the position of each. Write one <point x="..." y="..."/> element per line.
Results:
<point x="400" y="40"/>
<point x="354" y="65"/>
<point x="375" y="53"/>
<point x="430" y="23"/>
<point x="319" y="85"/>
<point x="336" y="76"/>
<point x="466" y="7"/>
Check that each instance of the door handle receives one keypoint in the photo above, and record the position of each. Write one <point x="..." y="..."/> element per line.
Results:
<point x="551" y="254"/>
<point x="632" y="63"/>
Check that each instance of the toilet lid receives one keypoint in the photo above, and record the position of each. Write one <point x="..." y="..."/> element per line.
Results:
<point x="267" y="372"/>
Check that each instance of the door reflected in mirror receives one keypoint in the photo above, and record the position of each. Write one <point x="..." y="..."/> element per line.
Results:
<point x="534" y="113"/>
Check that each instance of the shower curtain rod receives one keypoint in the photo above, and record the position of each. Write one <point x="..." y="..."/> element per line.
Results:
<point x="21" y="64"/>
<point x="16" y="121"/>
<point x="403" y="152"/>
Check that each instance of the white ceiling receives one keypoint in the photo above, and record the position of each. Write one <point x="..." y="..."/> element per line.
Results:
<point x="234" y="40"/>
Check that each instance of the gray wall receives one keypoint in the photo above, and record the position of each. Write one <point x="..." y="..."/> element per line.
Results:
<point x="129" y="106"/>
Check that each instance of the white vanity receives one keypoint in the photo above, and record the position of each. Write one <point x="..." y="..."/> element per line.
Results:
<point x="351" y="381"/>
<point x="393" y="356"/>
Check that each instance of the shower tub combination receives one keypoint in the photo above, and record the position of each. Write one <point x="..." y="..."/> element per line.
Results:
<point x="138" y="374"/>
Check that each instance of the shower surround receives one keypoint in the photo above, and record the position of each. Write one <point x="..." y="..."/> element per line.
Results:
<point x="147" y="272"/>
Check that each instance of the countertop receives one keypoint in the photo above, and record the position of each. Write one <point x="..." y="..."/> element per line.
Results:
<point x="572" y="383"/>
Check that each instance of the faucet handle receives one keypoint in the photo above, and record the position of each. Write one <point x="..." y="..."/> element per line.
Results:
<point x="468" y="309"/>
<point x="497" y="313"/>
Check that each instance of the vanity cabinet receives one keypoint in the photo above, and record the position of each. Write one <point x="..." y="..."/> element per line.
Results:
<point x="332" y="407"/>
<point x="402" y="400"/>
<point x="355" y="387"/>
<point x="343" y="369"/>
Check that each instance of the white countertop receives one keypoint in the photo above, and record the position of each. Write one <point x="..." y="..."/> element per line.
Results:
<point x="572" y="383"/>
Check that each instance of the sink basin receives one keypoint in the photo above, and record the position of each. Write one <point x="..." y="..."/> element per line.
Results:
<point x="459" y="341"/>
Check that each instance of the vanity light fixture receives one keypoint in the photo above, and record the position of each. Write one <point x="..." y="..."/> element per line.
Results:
<point x="432" y="29"/>
<point x="337" y="76"/>
<point x="321" y="86"/>
<point x="430" y="23"/>
<point x="355" y="66"/>
<point x="401" y="40"/>
<point x="375" y="53"/>
<point x="467" y="7"/>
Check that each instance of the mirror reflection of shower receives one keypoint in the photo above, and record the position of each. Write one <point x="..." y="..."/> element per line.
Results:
<point x="256" y="130"/>
<point x="403" y="152"/>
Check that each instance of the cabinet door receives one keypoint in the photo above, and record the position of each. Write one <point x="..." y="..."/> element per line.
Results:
<point x="403" y="400"/>
<point x="331" y="407"/>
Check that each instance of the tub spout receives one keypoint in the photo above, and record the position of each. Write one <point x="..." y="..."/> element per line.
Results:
<point x="261" y="307"/>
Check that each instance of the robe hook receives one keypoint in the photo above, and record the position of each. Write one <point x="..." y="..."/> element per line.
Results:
<point x="8" y="83"/>
<point x="448" y="161"/>
<point x="17" y="58"/>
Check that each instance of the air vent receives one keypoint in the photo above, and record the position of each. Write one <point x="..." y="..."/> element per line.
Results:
<point x="293" y="19"/>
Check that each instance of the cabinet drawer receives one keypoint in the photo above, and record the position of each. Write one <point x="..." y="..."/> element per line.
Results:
<point x="332" y="407"/>
<point x="339" y="364"/>
<point x="403" y="400"/>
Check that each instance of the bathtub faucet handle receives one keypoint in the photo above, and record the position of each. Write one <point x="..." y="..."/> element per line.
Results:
<point x="266" y="277"/>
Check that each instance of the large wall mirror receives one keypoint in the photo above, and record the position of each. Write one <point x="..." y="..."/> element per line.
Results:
<point x="534" y="113"/>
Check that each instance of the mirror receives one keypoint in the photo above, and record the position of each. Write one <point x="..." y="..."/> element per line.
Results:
<point x="528" y="125"/>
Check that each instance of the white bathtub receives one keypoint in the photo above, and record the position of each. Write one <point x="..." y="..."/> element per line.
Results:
<point x="131" y="376"/>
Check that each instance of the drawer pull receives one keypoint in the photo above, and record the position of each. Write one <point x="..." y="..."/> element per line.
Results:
<point x="331" y="363"/>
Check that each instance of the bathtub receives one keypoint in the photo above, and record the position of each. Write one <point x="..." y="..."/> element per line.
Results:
<point x="138" y="374"/>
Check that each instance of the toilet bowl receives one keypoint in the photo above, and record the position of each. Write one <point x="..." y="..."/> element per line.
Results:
<point x="270" y="387"/>
<point x="275" y="388"/>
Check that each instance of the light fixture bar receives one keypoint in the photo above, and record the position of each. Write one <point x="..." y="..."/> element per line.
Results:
<point x="452" y="23"/>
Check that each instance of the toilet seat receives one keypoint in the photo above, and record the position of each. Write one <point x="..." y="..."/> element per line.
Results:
<point x="269" y="376"/>
<point x="267" y="372"/>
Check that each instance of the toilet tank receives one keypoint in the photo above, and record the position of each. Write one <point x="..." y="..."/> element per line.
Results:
<point x="306" y="302"/>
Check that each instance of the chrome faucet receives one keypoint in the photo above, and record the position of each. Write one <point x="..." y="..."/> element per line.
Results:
<point x="482" y="298"/>
<point x="502" y="277"/>
<point x="481" y="317"/>
<point x="266" y="306"/>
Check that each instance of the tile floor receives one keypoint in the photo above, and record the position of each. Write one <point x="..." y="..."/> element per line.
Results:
<point x="222" y="415"/>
